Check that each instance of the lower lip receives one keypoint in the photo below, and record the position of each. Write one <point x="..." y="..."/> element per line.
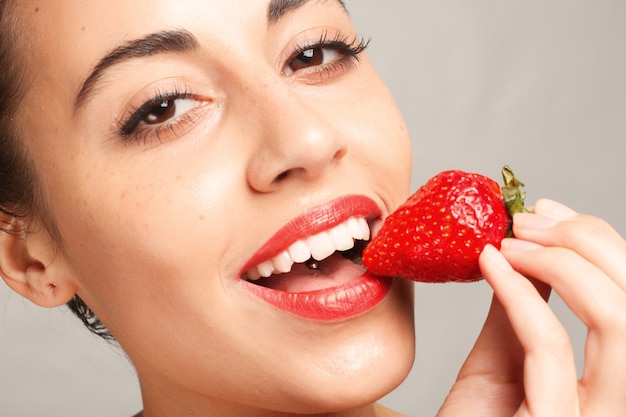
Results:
<point x="331" y="304"/>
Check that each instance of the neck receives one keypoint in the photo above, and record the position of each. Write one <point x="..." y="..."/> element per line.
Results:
<point x="164" y="397"/>
<point x="375" y="410"/>
<point x="158" y="404"/>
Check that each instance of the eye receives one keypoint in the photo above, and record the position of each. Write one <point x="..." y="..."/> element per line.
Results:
<point x="163" y="111"/>
<point x="313" y="57"/>
<point x="160" y="110"/>
<point x="165" y="114"/>
<point x="326" y="58"/>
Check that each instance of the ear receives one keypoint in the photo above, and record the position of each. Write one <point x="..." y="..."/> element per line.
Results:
<point x="32" y="266"/>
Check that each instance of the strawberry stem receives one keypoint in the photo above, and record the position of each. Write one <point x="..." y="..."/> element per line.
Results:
<point x="511" y="193"/>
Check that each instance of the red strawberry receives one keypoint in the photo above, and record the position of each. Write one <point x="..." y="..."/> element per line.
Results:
<point x="439" y="232"/>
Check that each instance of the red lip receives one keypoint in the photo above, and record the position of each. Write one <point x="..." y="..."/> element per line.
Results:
<point x="313" y="221"/>
<point x="340" y="302"/>
<point x="331" y="304"/>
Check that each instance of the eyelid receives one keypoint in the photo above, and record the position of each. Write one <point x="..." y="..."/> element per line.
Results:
<point x="135" y="114"/>
<point x="168" y="131"/>
<point x="130" y="128"/>
<point x="351" y="45"/>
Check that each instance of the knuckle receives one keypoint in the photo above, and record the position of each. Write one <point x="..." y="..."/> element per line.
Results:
<point x="614" y="318"/>
<point x="610" y="318"/>
<point x="585" y="228"/>
<point x="555" y="342"/>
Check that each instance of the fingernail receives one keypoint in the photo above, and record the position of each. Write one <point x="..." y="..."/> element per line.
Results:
<point x="495" y="258"/>
<point x="553" y="209"/>
<point x="518" y="245"/>
<point x="534" y="221"/>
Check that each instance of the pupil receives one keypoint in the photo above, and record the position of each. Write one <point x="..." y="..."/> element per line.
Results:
<point x="161" y="112"/>
<point x="307" y="56"/>
<point x="310" y="57"/>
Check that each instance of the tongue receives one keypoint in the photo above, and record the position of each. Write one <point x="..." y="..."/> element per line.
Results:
<point x="332" y="272"/>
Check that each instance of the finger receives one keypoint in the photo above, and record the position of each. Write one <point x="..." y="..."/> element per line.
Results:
<point x="603" y="376"/>
<point x="585" y="288"/>
<point x="497" y="347"/>
<point x="494" y="369"/>
<point x="550" y="374"/>
<point x="556" y="225"/>
<point x="598" y="302"/>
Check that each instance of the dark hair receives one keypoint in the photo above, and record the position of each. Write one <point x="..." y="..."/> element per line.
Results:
<point x="19" y="195"/>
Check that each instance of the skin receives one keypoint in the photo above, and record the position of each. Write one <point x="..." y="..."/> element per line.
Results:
<point x="531" y="368"/>
<point x="152" y="232"/>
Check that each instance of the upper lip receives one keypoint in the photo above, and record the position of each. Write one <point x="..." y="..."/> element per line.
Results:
<point x="312" y="221"/>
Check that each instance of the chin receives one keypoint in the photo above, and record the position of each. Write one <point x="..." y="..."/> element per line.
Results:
<point x="341" y="394"/>
<point x="372" y="358"/>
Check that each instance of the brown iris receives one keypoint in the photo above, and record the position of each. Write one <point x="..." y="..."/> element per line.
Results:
<point x="161" y="112"/>
<point x="308" y="58"/>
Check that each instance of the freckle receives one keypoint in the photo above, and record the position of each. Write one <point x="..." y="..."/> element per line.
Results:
<point x="201" y="217"/>
<point x="37" y="9"/>
<point x="83" y="28"/>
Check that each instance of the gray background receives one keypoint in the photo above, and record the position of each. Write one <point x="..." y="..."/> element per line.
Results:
<point x="536" y="84"/>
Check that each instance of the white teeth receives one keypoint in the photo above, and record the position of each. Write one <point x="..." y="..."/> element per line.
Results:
<point x="358" y="228"/>
<point x="319" y="247"/>
<point x="354" y="227"/>
<point x="253" y="274"/>
<point x="282" y="262"/>
<point x="341" y="237"/>
<point x="266" y="269"/>
<point x="365" y="229"/>
<point x="299" y="252"/>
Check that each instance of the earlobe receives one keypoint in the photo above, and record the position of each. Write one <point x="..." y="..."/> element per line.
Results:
<point x="30" y="266"/>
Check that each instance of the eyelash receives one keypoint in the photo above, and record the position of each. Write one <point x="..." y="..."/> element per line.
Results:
<point x="128" y="127"/>
<point x="349" y="48"/>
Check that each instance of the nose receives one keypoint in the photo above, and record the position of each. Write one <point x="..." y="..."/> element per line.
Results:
<point x="296" y="140"/>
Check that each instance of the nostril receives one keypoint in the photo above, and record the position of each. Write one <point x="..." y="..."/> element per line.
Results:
<point x="340" y="154"/>
<point x="288" y="172"/>
<point x="281" y="176"/>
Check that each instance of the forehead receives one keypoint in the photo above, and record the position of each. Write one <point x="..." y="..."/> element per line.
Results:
<point x="68" y="38"/>
<point x="277" y="8"/>
<point x="68" y="28"/>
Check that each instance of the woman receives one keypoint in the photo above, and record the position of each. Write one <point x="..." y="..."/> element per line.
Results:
<point x="181" y="165"/>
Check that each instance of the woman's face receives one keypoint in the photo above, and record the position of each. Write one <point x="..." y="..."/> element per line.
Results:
<point x="183" y="145"/>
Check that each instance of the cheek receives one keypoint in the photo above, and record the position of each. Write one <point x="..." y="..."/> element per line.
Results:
<point x="382" y="136"/>
<point x="147" y="239"/>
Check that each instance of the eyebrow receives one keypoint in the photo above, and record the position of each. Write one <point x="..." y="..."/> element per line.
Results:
<point x="277" y="9"/>
<point x="168" y="41"/>
<point x="152" y="44"/>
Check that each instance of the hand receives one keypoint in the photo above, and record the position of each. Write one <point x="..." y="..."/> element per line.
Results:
<point x="523" y="362"/>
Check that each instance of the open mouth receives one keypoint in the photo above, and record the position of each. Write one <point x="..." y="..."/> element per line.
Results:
<point x="312" y="266"/>
<point x="315" y="262"/>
